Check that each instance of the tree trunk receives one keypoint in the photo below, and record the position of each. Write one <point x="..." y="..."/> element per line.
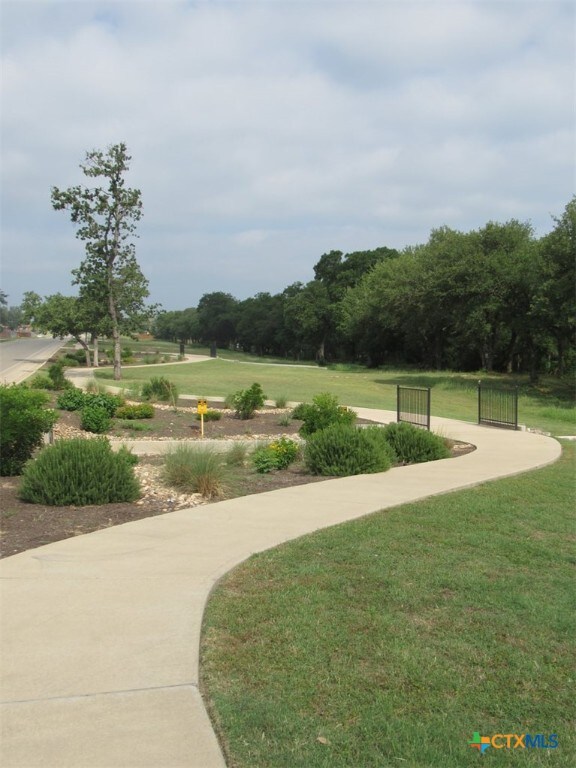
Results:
<point x="85" y="348"/>
<point x="95" y="350"/>
<point x="116" y="339"/>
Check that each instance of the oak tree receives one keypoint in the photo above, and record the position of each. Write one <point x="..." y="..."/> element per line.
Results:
<point x="106" y="218"/>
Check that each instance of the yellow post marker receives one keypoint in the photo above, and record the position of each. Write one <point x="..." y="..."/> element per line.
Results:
<point x="202" y="408"/>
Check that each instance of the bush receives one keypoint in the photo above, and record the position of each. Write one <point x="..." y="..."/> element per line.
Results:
<point x="56" y="373"/>
<point x="110" y="403"/>
<point x="413" y="445"/>
<point x="277" y="455"/>
<point x="323" y="413"/>
<point x="134" y="426"/>
<point x="246" y="401"/>
<point x="160" y="388"/>
<point x="211" y="415"/>
<point x="95" y="418"/>
<point x="281" y="401"/>
<point x="299" y="411"/>
<point x="72" y="399"/>
<point x="24" y="421"/>
<point x="195" y="470"/>
<point x="41" y="381"/>
<point x="75" y="358"/>
<point x="343" y="450"/>
<point x="140" y="411"/>
<point x="80" y="472"/>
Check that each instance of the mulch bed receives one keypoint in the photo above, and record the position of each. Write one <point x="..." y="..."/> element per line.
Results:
<point x="25" y="526"/>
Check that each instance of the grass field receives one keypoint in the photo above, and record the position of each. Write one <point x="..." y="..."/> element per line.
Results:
<point x="391" y="640"/>
<point x="549" y="407"/>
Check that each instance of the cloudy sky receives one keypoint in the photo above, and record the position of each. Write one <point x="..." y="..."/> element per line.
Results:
<point x="264" y="134"/>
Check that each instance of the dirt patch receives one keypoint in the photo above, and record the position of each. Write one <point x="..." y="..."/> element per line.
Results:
<point x="25" y="526"/>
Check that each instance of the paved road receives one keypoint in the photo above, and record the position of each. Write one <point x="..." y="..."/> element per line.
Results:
<point x="22" y="357"/>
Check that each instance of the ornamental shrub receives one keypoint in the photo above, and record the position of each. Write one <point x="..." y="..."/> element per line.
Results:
<point x="341" y="450"/>
<point x="195" y="470"/>
<point x="276" y="455"/>
<point x="323" y="413"/>
<point x="246" y="401"/>
<point x="160" y="388"/>
<point x="105" y="400"/>
<point x="80" y="472"/>
<point x="413" y="445"/>
<point x="95" y="418"/>
<point x="139" y="411"/>
<point x="72" y="399"/>
<point x="56" y="373"/>
<point x="24" y="420"/>
<point x="212" y="414"/>
<point x="41" y="381"/>
<point x="299" y="411"/>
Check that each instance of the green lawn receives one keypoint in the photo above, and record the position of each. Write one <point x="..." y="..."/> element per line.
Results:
<point x="390" y="640"/>
<point x="550" y="406"/>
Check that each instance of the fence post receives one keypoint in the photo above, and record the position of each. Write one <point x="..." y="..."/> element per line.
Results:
<point x="397" y="402"/>
<point x="479" y="401"/>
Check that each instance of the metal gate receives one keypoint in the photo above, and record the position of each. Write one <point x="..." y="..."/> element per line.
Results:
<point x="413" y="405"/>
<point x="498" y="407"/>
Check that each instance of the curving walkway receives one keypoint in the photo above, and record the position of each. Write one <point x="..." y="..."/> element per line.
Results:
<point x="100" y="633"/>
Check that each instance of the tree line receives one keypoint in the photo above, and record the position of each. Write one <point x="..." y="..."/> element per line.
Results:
<point x="496" y="298"/>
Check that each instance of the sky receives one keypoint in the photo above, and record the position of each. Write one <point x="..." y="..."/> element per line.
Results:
<point x="265" y="134"/>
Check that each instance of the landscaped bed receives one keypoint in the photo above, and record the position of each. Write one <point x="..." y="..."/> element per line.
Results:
<point x="25" y="526"/>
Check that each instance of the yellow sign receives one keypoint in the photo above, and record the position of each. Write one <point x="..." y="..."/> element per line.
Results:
<point x="202" y="407"/>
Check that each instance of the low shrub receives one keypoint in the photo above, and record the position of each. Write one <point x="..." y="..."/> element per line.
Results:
<point x="95" y="418"/>
<point x="211" y="415"/>
<point x="72" y="399"/>
<point x="74" y="358"/>
<point x="105" y="400"/>
<point x="139" y="411"/>
<point x="299" y="411"/>
<point x="134" y="426"/>
<point x="285" y="420"/>
<point x="246" y="401"/>
<point x="41" y="381"/>
<point x="341" y="450"/>
<point x="264" y="460"/>
<point x="161" y="389"/>
<point x="194" y="470"/>
<point x="413" y="445"/>
<point x="324" y="412"/>
<point x="25" y="420"/>
<point x="80" y="472"/>
<point x="276" y="455"/>
<point x="281" y="401"/>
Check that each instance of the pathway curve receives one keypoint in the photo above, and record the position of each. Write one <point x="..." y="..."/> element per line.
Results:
<point x="100" y="633"/>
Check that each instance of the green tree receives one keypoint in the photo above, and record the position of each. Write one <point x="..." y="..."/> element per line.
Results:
<point x="106" y="222"/>
<point x="217" y="318"/>
<point x="61" y="316"/>
<point x="553" y="309"/>
<point x="309" y="314"/>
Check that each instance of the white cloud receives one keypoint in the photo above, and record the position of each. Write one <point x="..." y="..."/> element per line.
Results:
<point x="265" y="134"/>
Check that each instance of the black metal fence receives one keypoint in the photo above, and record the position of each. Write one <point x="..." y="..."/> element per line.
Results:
<point x="413" y="405"/>
<point x="498" y="407"/>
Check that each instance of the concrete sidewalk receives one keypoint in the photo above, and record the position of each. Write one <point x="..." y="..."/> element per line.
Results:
<point x="100" y="633"/>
